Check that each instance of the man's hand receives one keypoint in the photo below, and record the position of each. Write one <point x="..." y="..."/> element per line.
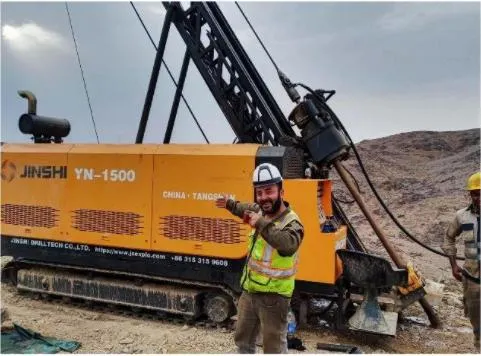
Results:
<point x="221" y="203"/>
<point x="457" y="272"/>
<point x="251" y="217"/>
<point x="455" y="268"/>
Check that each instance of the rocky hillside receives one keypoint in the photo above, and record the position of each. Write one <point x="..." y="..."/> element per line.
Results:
<point x="421" y="177"/>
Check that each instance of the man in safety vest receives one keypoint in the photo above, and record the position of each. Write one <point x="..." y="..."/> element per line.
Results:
<point x="269" y="274"/>
<point x="466" y="224"/>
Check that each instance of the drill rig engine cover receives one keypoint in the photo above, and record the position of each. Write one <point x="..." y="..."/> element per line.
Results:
<point x="148" y="210"/>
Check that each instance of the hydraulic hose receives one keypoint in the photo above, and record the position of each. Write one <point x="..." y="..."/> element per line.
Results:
<point x="469" y="276"/>
<point x="361" y="165"/>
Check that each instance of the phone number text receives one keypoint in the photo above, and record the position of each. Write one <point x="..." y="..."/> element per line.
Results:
<point x="200" y="260"/>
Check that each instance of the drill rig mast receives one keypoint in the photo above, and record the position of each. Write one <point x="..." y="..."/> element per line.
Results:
<point x="241" y="93"/>
<point x="255" y="116"/>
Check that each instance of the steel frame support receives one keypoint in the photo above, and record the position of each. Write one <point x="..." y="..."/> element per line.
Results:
<point x="178" y="92"/>
<point x="155" y="75"/>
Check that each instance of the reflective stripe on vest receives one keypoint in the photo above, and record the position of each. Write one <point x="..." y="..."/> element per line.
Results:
<point x="271" y="272"/>
<point x="265" y="261"/>
<point x="469" y="222"/>
<point x="268" y="250"/>
<point x="471" y="248"/>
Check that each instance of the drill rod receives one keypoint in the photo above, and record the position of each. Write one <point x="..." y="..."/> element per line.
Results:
<point x="433" y="318"/>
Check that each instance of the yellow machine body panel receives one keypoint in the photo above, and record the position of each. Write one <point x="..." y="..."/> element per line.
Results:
<point x="187" y="182"/>
<point x="311" y="201"/>
<point x="156" y="198"/>
<point x="110" y="194"/>
<point x="34" y="182"/>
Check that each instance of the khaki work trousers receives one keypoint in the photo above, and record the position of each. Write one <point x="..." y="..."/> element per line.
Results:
<point x="265" y="312"/>
<point x="471" y="307"/>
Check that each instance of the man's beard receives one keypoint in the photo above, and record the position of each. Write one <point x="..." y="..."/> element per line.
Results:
<point x="275" y="205"/>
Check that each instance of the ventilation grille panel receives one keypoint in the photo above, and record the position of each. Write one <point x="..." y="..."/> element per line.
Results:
<point x="222" y="231"/>
<point x="293" y="163"/>
<point x="29" y="215"/>
<point x="110" y="222"/>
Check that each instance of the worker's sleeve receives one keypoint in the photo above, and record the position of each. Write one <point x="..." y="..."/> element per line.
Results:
<point x="237" y="208"/>
<point x="449" y="243"/>
<point x="285" y="241"/>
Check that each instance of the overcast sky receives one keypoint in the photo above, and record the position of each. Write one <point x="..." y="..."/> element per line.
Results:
<point x="396" y="67"/>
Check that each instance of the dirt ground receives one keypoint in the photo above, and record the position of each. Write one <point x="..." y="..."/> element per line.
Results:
<point x="102" y="332"/>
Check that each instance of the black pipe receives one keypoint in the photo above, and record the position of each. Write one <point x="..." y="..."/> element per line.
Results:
<point x="178" y="93"/>
<point x="39" y="126"/>
<point x="32" y="101"/>
<point x="350" y="349"/>
<point x="155" y="74"/>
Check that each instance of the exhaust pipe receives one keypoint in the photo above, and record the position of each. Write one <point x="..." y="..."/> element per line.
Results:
<point x="44" y="129"/>
<point x="32" y="101"/>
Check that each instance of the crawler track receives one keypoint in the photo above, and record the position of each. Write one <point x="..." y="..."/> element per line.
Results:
<point x="31" y="284"/>
<point x="26" y="286"/>
<point x="133" y="313"/>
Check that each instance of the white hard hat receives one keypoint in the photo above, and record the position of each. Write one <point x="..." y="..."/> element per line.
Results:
<point x="266" y="174"/>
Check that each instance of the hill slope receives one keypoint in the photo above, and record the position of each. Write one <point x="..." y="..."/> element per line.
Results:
<point x="421" y="177"/>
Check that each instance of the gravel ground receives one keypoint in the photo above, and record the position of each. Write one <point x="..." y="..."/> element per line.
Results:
<point x="100" y="332"/>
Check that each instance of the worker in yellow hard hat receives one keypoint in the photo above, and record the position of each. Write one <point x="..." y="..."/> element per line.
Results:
<point x="466" y="224"/>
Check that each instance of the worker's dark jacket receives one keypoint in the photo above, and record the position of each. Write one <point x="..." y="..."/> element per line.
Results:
<point x="285" y="241"/>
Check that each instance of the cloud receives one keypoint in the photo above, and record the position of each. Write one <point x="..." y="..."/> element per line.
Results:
<point x="30" y="36"/>
<point x="410" y="16"/>
<point x="157" y="10"/>
<point x="317" y="40"/>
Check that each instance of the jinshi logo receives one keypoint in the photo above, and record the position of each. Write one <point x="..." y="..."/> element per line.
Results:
<point x="9" y="170"/>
